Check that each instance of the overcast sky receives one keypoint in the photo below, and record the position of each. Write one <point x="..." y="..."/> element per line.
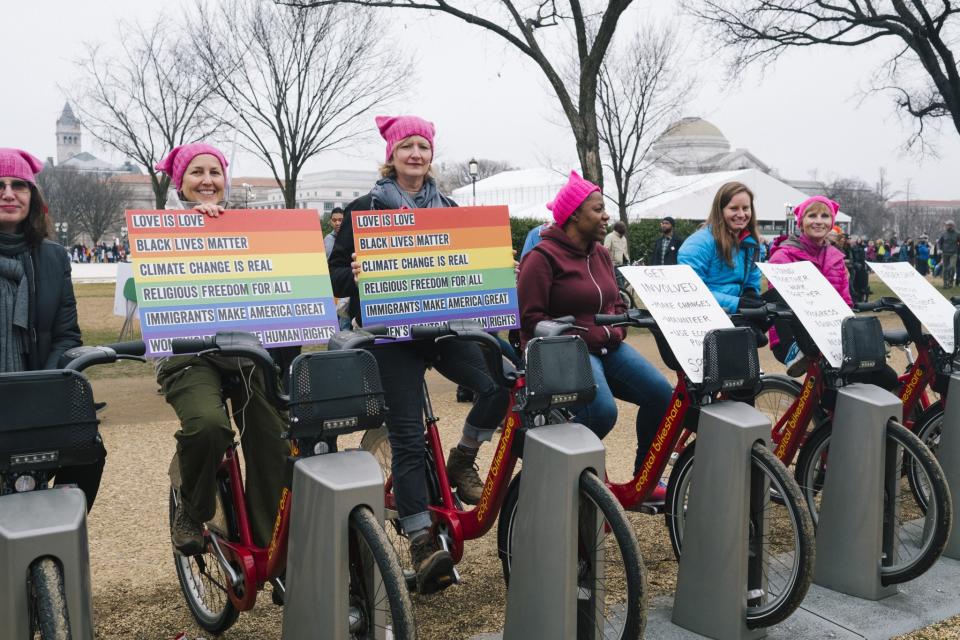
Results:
<point x="804" y="115"/>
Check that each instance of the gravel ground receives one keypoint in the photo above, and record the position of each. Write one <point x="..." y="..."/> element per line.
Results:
<point x="136" y="594"/>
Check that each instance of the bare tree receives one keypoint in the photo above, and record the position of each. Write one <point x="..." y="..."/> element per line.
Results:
<point x="295" y="83"/>
<point x="83" y="203"/>
<point x="453" y="175"/>
<point x="865" y="204"/>
<point x="640" y="91"/>
<point x="64" y="190"/>
<point x="924" y="31"/>
<point x="146" y="99"/>
<point x="520" y="23"/>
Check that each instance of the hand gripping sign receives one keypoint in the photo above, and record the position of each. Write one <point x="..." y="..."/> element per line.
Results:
<point x="930" y="307"/>
<point x="683" y="307"/>
<point x="260" y="271"/>
<point x="814" y="301"/>
<point x="426" y="266"/>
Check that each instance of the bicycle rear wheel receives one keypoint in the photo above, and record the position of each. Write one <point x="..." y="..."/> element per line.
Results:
<point x="922" y="506"/>
<point x="380" y="602"/>
<point x="202" y="580"/>
<point x="607" y="547"/>
<point x="49" y="619"/>
<point x="781" y="533"/>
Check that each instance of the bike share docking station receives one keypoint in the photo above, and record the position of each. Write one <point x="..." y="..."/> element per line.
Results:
<point x="716" y="563"/>
<point x="545" y="588"/>
<point x="948" y="452"/>
<point x="328" y="488"/>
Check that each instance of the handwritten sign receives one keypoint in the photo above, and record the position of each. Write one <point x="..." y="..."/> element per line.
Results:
<point x="930" y="307"/>
<point x="683" y="307"/>
<point x="814" y="301"/>
<point x="261" y="271"/>
<point x="426" y="266"/>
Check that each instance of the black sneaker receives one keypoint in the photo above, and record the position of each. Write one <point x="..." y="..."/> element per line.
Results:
<point x="186" y="534"/>
<point x="433" y="565"/>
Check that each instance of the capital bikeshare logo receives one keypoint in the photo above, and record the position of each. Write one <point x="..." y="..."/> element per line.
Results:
<point x="495" y="469"/>
<point x="907" y="394"/>
<point x="662" y="437"/>
<point x="791" y="424"/>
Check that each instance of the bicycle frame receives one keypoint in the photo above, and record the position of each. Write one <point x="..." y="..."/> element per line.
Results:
<point x="915" y="381"/>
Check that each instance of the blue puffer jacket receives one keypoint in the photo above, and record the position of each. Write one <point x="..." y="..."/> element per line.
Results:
<point x="725" y="282"/>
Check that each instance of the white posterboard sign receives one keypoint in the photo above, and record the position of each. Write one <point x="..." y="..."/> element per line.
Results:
<point x="930" y="307"/>
<point x="683" y="307"/>
<point x="814" y="301"/>
<point x="124" y="273"/>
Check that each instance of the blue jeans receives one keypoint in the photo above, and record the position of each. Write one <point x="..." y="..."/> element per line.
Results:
<point x="626" y="375"/>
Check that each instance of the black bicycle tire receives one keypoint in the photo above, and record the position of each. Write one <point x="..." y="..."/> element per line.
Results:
<point x="622" y="531"/>
<point x="48" y="600"/>
<point x="941" y="523"/>
<point x="228" y="615"/>
<point x="369" y="529"/>
<point x="789" y="497"/>
<point x="926" y="427"/>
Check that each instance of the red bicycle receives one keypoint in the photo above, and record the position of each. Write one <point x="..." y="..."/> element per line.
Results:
<point x="224" y="580"/>
<point x="534" y="393"/>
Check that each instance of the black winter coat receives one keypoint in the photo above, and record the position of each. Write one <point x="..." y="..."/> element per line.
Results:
<point x="53" y="307"/>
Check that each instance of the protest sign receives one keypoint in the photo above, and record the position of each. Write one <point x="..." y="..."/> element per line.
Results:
<point x="814" y="301"/>
<point x="261" y="271"/>
<point x="930" y="307"/>
<point x="426" y="266"/>
<point x="683" y="307"/>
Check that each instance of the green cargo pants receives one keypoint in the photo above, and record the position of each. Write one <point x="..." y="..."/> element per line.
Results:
<point x="193" y="386"/>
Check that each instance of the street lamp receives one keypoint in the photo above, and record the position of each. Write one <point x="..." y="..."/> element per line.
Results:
<point x="474" y="168"/>
<point x="247" y="189"/>
<point x="62" y="228"/>
<point x="787" y="220"/>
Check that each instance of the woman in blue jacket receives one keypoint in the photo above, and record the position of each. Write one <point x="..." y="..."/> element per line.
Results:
<point x="724" y="252"/>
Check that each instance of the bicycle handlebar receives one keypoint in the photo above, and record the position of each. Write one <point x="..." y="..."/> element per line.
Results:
<point x="471" y="331"/>
<point x="358" y="338"/>
<point x="87" y="356"/>
<point x="633" y="318"/>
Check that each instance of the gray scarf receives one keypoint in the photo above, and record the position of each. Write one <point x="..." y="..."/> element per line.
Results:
<point x="387" y="194"/>
<point x="14" y="313"/>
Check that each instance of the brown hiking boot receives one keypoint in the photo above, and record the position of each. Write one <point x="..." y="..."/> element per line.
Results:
<point x="187" y="535"/>
<point x="433" y="565"/>
<point x="464" y="476"/>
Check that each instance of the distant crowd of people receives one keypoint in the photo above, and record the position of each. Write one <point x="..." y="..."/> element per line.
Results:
<point x="101" y="252"/>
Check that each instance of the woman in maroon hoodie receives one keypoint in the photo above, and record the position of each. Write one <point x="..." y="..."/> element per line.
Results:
<point x="570" y="274"/>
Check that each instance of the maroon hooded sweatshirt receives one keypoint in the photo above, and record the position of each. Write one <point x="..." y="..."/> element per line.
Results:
<point x="557" y="278"/>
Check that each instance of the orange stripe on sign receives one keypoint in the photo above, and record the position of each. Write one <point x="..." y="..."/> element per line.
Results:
<point x="420" y="241"/>
<point x="430" y="219"/>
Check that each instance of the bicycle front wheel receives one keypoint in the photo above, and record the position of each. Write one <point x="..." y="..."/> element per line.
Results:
<point x="608" y="556"/>
<point x="48" y="601"/>
<point x="781" y="538"/>
<point x="922" y="505"/>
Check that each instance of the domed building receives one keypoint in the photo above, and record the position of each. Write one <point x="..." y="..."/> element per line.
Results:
<point x="694" y="145"/>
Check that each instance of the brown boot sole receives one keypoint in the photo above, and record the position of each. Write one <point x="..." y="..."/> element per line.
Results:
<point x="436" y="574"/>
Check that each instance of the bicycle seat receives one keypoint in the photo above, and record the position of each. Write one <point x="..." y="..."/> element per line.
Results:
<point x="896" y="337"/>
<point x="555" y="327"/>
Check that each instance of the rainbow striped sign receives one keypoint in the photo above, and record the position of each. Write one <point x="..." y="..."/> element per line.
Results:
<point x="425" y="266"/>
<point x="261" y="271"/>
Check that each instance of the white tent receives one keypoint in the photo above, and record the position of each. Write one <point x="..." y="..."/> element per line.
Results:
<point x="525" y="191"/>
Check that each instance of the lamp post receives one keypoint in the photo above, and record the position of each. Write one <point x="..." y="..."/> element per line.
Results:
<point x="62" y="229"/>
<point x="787" y="220"/>
<point x="247" y="188"/>
<point x="474" y="168"/>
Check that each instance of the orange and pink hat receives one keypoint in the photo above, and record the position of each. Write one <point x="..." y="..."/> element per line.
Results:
<point x="570" y="197"/>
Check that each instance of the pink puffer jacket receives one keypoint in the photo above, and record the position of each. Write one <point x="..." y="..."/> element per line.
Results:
<point x="828" y="259"/>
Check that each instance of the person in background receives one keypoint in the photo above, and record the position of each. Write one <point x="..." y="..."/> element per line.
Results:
<point x="948" y="243"/>
<point x="667" y="245"/>
<point x="859" y="276"/>
<point x="923" y="255"/>
<point x="871" y="251"/>
<point x="616" y="245"/>
<point x="907" y="252"/>
<point x="570" y="273"/>
<point x="336" y="219"/>
<point x="533" y="238"/>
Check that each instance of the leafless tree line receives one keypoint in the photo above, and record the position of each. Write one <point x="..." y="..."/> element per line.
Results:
<point x="83" y="204"/>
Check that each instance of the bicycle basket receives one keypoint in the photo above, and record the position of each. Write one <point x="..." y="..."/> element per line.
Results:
<point x="335" y="392"/>
<point x="558" y="373"/>
<point x="862" y="342"/>
<point x="730" y="360"/>
<point x="48" y="420"/>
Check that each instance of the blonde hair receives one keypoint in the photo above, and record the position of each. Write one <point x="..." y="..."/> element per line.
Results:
<point x="727" y="243"/>
<point x="388" y="170"/>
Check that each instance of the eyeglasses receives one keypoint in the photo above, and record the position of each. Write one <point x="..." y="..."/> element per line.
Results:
<point x="18" y="186"/>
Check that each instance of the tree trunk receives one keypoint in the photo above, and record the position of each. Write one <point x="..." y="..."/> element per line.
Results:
<point x="290" y="193"/>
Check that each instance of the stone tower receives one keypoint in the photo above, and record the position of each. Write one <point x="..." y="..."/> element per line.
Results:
<point x="68" y="135"/>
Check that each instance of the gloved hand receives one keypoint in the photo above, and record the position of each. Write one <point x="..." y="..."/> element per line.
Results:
<point x="750" y="299"/>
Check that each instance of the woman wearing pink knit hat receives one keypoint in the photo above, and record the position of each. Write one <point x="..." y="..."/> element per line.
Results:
<point x="569" y="273"/>
<point x="193" y="387"/>
<point x="38" y="310"/>
<point x="407" y="183"/>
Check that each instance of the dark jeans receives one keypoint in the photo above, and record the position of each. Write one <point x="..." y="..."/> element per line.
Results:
<point x="402" y="368"/>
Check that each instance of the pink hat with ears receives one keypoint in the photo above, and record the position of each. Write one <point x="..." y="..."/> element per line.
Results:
<point x="800" y="208"/>
<point x="396" y="128"/>
<point x="570" y="197"/>
<point x="177" y="161"/>
<point x="17" y="163"/>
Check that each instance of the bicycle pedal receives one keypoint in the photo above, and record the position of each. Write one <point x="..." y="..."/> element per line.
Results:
<point x="650" y="509"/>
<point x="754" y="594"/>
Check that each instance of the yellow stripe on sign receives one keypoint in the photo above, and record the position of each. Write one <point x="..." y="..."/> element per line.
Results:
<point x="193" y="268"/>
<point x="428" y="262"/>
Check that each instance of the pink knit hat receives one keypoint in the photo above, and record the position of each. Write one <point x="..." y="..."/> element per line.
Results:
<point x="177" y="161"/>
<point x="396" y="128"/>
<point x="800" y="208"/>
<point x="570" y="197"/>
<point x="17" y="163"/>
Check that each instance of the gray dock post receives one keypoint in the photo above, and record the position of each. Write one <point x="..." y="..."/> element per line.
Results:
<point x="852" y="535"/>
<point x="51" y="522"/>
<point x="948" y="454"/>
<point x="711" y="595"/>
<point x="542" y="599"/>
<point x="326" y="489"/>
